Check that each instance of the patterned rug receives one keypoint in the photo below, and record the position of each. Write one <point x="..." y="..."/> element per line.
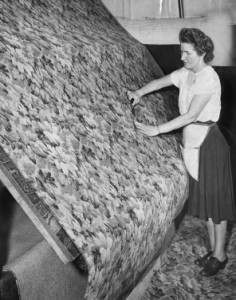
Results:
<point x="69" y="151"/>
<point x="179" y="278"/>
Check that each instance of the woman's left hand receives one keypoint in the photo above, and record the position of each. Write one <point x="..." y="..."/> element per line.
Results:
<point x="147" y="129"/>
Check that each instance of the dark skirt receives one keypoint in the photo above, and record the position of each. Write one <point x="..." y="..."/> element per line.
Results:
<point x="212" y="196"/>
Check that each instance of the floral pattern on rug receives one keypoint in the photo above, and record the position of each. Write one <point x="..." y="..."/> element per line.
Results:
<point x="69" y="151"/>
<point x="179" y="278"/>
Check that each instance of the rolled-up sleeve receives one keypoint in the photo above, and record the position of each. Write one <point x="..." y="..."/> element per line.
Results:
<point x="177" y="76"/>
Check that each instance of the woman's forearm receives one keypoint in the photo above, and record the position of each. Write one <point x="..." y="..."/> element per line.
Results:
<point x="155" y="85"/>
<point x="196" y="106"/>
<point x="176" y="123"/>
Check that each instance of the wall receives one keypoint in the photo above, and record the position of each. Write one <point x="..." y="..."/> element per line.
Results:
<point x="157" y="22"/>
<point x="165" y="31"/>
<point x="139" y="9"/>
<point x="196" y="8"/>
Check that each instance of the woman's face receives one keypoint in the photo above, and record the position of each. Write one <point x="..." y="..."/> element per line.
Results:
<point x="191" y="59"/>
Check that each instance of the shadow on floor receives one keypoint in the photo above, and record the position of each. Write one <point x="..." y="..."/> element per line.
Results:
<point x="7" y="209"/>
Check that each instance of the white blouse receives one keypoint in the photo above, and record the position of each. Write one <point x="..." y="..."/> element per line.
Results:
<point x="192" y="84"/>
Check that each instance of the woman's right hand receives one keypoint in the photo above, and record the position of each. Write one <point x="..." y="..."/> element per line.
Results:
<point x="134" y="97"/>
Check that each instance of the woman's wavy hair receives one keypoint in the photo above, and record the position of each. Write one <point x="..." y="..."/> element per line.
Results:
<point x="200" y="41"/>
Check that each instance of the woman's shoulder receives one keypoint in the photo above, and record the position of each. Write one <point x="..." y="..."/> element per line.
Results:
<point x="210" y="72"/>
<point x="208" y="80"/>
<point x="179" y="73"/>
<point x="209" y="75"/>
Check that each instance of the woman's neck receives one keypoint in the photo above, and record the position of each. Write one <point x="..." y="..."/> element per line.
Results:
<point x="199" y="67"/>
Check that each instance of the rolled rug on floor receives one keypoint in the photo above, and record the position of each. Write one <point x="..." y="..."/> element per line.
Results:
<point x="93" y="186"/>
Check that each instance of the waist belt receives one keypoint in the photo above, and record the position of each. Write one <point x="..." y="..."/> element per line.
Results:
<point x="207" y="123"/>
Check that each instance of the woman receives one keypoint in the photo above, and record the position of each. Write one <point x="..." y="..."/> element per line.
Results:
<point x="205" y="151"/>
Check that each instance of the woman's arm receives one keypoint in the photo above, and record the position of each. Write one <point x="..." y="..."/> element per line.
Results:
<point x="148" y="88"/>
<point x="197" y="105"/>
<point x="155" y="85"/>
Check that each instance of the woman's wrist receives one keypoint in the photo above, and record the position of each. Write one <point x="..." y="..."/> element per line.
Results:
<point x="158" y="130"/>
<point x="139" y="92"/>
